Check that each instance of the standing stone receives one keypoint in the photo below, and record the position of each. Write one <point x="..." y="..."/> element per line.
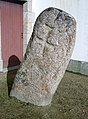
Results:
<point x="46" y="58"/>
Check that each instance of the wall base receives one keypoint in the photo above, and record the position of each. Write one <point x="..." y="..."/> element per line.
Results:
<point x="78" y="67"/>
<point x="74" y="66"/>
<point x="11" y="68"/>
<point x="1" y="65"/>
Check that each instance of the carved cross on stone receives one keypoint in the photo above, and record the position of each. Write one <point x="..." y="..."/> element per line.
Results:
<point x="46" y="58"/>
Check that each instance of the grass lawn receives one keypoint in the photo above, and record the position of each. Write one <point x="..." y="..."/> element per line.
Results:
<point x="69" y="102"/>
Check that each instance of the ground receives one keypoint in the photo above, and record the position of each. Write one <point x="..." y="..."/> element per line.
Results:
<point x="69" y="102"/>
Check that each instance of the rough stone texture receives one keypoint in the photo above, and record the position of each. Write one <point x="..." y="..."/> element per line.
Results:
<point x="46" y="58"/>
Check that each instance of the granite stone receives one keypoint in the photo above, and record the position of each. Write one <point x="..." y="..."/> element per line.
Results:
<point x="47" y="56"/>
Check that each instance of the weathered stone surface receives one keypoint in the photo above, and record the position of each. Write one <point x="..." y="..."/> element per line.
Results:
<point x="46" y="58"/>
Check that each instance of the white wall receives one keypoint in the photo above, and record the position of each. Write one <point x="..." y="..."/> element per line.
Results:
<point x="77" y="8"/>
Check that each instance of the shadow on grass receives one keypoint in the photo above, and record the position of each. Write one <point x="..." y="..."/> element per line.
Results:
<point x="13" y="61"/>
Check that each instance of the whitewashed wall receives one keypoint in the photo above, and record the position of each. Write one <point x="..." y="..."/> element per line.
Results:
<point x="28" y="19"/>
<point x="77" y="8"/>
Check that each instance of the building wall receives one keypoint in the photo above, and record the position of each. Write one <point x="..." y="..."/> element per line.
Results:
<point x="28" y="19"/>
<point x="11" y="42"/>
<point x="1" y="61"/>
<point x="78" y="9"/>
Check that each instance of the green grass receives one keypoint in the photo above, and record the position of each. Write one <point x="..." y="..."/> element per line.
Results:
<point x="69" y="102"/>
